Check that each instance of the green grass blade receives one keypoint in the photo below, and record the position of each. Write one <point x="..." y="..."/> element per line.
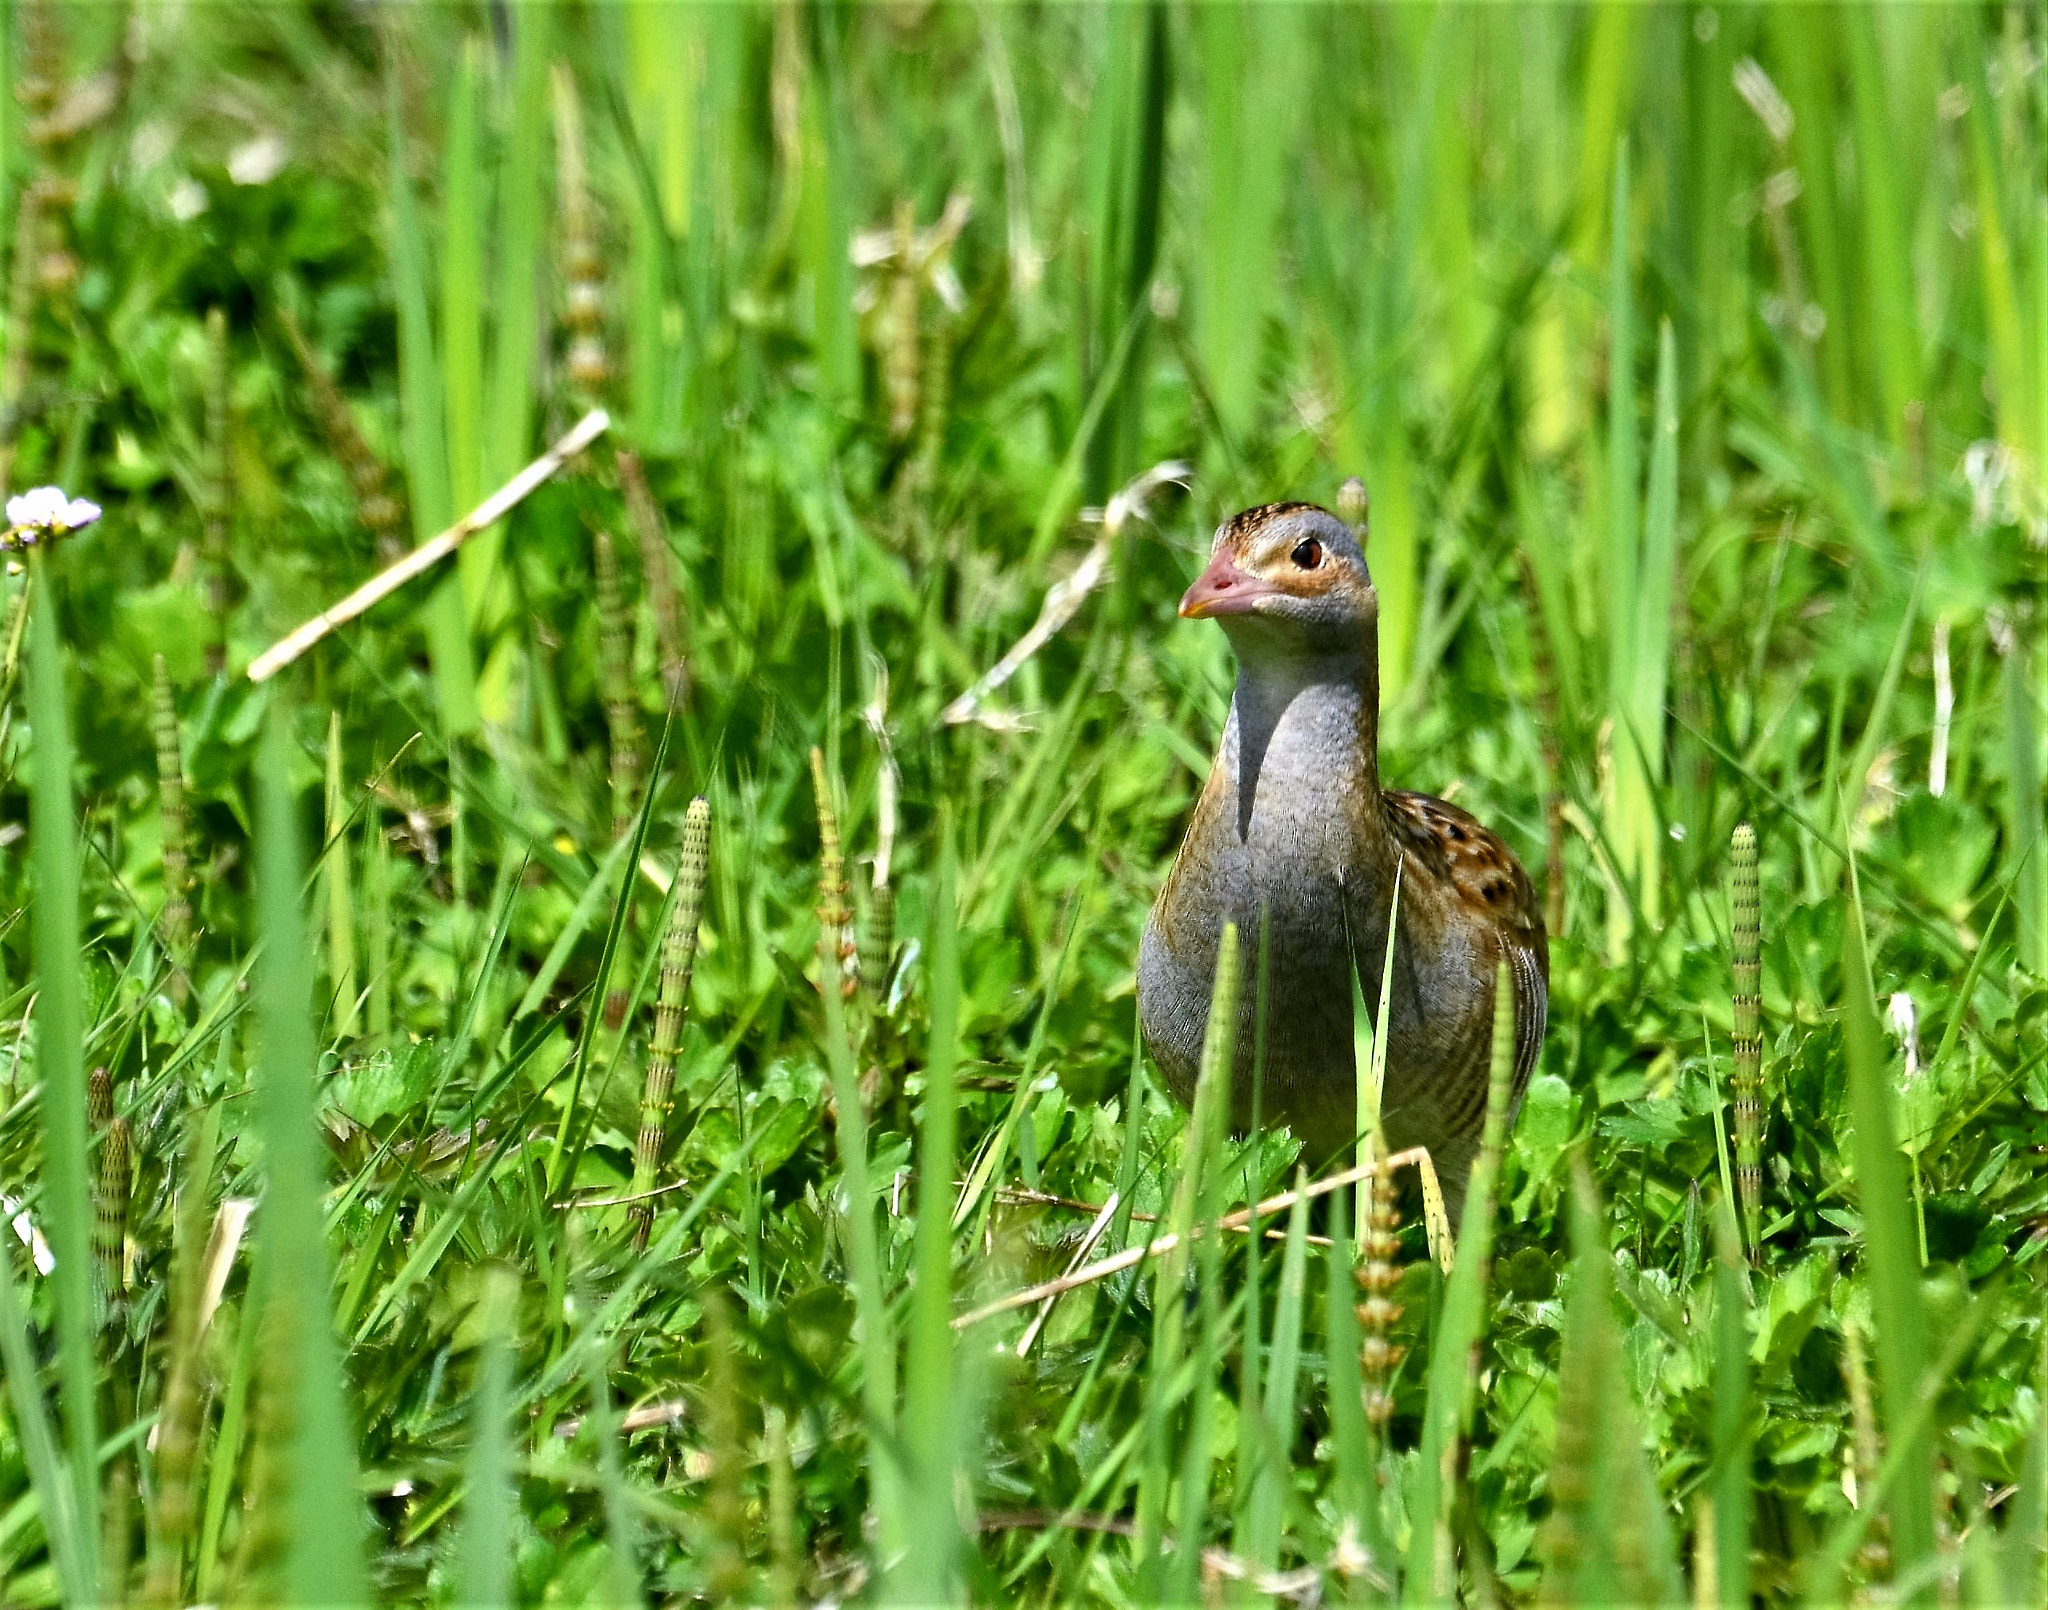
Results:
<point x="1184" y="1574"/>
<point x="1607" y="1540"/>
<point x="563" y="1158"/>
<point x="1211" y="1108"/>
<point x="2007" y="339"/>
<point x="1891" y="1244"/>
<point x="1624" y="559"/>
<point x="341" y="916"/>
<point x="48" y="1478"/>
<point x="517" y="242"/>
<point x="1460" y="1321"/>
<point x="2026" y="856"/>
<point x="1734" y="1498"/>
<point x="1638" y="702"/>
<point x="1622" y="472"/>
<point x="462" y="275"/>
<point x="1887" y="290"/>
<point x="2025" y="1545"/>
<point x="60" y="1064"/>
<point x="485" y="1549"/>
<point x="1805" y="47"/>
<point x="1355" y="1495"/>
<point x="622" y="1573"/>
<point x="824" y="225"/>
<point x="928" y="1571"/>
<point x="863" y="1254"/>
<point x="1857" y="775"/>
<point x="1250" y="58"/>
<point x="323" y="1561"/>
<point x="426" y="444"/>
<point x="1268" y="1510"/>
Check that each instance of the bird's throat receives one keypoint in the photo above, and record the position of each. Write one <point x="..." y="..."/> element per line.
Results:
<point x="1304" y="747"/>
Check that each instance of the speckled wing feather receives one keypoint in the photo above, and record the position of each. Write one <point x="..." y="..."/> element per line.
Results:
<point x="1454" y="850"/>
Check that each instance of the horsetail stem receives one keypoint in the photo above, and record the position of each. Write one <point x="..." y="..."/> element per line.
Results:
<point x="877" y="943"/>
<point x="725" y="1506"/>
<point x="1866" y="1449"/>
<point x="833" y="912"/>
<point x="1543" y="666"/>
<point x="1745" y="924"/>
<point x="380" y="510"/>
<point x="615" y="671"/>
<point x="14" y="634"/>
<point x="21" y="312"/>
<point x="584" y="365"/>
<point x="936" y="359"/>
<point x="42" y="260"/>
<point x="111" y="1189"/>
<point x="1500" y="1082"/>
<point x="901" y="354"/>
<point x="341" y="911"/>
<point x="782" y="1533"/>
<point x="174" y="924"/>
<point x="273" y="1425"/>
<point x="678" y="958"/>
<point x="1379" y="1271"/>
<point x="217" y="493"/>
<point x="658" y="570"/>
<point x="172" y="1498"/>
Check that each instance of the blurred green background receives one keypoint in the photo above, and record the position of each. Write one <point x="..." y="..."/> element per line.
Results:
<point x="1695" y="359"/>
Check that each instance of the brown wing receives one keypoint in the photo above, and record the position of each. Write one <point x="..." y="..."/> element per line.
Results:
<point x="1453" y="849"/>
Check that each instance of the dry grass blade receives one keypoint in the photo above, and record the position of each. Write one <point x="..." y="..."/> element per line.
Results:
<point x="1166" y="1243"/>
<point x="431" y="552"/>
<point x="1101" y="1222"/>
<point x="1064" y="598"/>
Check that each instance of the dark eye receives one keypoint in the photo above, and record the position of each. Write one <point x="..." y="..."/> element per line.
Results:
<point x="1308" y="553"/>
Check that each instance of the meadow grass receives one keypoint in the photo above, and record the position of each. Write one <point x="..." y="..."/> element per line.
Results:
<point x="594" y="1040"/>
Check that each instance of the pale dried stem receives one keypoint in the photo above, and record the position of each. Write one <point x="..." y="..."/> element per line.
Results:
<point x="431" y="552"/>
<point x="1152" y="1249"/>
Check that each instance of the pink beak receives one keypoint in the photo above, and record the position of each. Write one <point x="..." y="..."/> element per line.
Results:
<point x="1222" y="589"/>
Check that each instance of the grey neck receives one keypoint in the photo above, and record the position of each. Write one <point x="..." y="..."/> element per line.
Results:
<point x="1310" y="720"/>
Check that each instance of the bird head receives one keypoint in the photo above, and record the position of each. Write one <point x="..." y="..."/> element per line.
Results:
<point x="1287" y="578"/>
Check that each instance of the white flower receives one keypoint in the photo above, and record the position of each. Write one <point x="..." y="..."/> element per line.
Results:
<point x="46" y="510"/>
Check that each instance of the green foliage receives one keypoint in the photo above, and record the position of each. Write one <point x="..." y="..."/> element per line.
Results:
<point x="1778" y="565"/>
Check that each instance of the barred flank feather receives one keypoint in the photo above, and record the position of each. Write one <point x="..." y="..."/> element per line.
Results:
<point x="174" y="924"/>
<point x="1745" y="921"/>
<point x="678" y="958"/>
